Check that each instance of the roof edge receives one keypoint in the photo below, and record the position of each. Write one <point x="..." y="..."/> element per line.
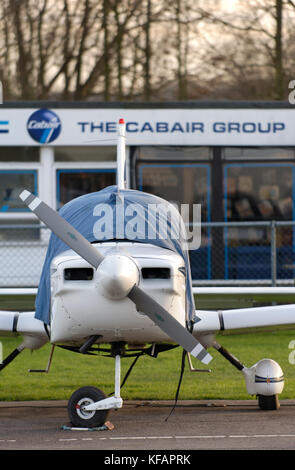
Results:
<point x="222" y="104"/>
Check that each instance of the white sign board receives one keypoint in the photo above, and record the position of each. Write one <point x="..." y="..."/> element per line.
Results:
<point x="196" y="127"/>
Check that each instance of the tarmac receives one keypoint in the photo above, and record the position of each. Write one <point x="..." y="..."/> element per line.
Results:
<point x="149" y="426"/>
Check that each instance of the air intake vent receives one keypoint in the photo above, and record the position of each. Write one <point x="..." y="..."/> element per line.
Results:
<point x="155" y="273"/>
<point x="78" y="274"/>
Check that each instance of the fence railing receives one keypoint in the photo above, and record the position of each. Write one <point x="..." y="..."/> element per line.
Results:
<point x="231" y="253"/>
<point x="245" y="253"/>
<point x="22" y="253"/>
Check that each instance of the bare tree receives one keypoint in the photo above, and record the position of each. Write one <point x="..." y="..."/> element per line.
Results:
<point x="23" y="44"/>
<point x="278" y="54"/>
<point x="147" y="62"/>
<point x="260" y="26"/>
<point x="146" y="49"/>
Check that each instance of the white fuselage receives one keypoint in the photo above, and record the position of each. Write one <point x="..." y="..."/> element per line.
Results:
<point x="80" y="309"/>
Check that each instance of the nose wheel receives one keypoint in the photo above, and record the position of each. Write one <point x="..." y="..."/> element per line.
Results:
<point x="79" y="415"/>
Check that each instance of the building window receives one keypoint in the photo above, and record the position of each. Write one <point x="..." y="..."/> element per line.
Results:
<point x="257" y="192"/>
<point x="183" y="183"/>
<point x="180" y="175"/>
<point x="19" y="154"/>
<point x="164" y="153"/>
<point x="75" y="183"/>
<point x="178" y="183"/>
<point x="85" y="154"/>
<point x="12" y="182"/>
<point x="261" y="191"/>
<point x="258" y="153"/>
<point x="19" y="231"/>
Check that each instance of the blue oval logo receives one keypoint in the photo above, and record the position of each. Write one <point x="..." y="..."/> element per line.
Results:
<point x="44" y="126"/>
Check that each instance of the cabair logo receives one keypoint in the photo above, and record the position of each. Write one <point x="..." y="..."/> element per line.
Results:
<point x="3" y="127"/>
<point x="44" y="126"/>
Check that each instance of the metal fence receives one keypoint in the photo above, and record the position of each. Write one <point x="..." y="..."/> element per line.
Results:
<point x="22" y="253"/>
<point x="231" y="253"/>
<point x="245" y="253"/>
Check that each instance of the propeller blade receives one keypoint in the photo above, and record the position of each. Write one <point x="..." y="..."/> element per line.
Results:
<point x="62" y="229"/>
<point x="168" y="324"/>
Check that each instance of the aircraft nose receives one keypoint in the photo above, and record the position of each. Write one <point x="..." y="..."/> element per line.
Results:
<point x="116" y="275"/>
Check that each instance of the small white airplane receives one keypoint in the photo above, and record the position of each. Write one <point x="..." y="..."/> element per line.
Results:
<point x="131" y="293"/>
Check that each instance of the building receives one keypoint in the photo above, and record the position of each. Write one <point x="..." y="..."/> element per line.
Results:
<point x="235" y="159"/>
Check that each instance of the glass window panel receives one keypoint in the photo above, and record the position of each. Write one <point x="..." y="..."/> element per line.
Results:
<point x="258" y="192"/>
<point x="183" y="184"/>
<point x="11" y="184"/>
<point x="19" y="231"/>
<point x="177" y="183"/>
<point x="251" y="153"/>
<point x="173" y="153"/>
<point x="85" y="154"/>
<point x="19" y="154"/>
<point x="253" y="193"/>
<point x="180" y="175"/>
<point x="75" y="183"/>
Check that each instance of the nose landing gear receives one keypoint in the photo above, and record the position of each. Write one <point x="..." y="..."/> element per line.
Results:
<point x="88" y="406"/>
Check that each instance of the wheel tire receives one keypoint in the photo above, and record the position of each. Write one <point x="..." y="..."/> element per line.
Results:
<point x="89" y="419"/>
<point x="268" y="402"/>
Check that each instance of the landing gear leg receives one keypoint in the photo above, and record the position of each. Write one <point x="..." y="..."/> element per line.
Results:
<point x="89" y="407"/>
<point x="232" y="359"/>
<point x="264" y="379"/>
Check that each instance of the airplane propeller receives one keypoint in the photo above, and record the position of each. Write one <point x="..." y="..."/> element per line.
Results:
<point x="144" y="303"/>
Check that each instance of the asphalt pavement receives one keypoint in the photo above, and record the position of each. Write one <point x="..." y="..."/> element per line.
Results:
<point x="150" y="426"/>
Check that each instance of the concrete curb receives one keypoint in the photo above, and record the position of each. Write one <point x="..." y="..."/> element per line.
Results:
<point x="138" y="403"/>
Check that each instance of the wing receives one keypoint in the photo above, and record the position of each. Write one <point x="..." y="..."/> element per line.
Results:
<point x="22" y="323"/>
<point x="211" y="321"/>
<point x="33" y="332"/>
